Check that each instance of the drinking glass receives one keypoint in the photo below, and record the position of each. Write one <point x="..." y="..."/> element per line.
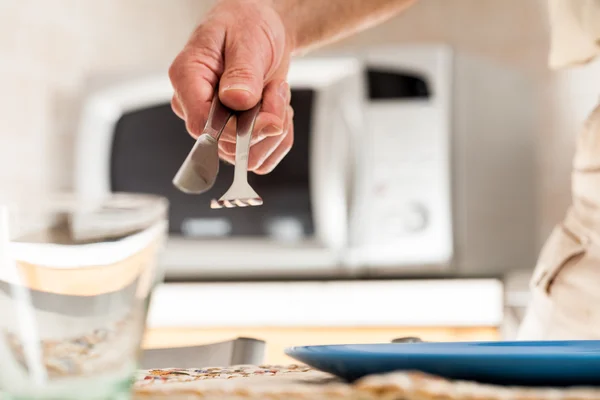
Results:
<point x="76" y="275"/>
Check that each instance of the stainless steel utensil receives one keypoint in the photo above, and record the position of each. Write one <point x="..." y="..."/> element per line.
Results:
<point x="199" y="171"/>
<point x="241" y="194"/>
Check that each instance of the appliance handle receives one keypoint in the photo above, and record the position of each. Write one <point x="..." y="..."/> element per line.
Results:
<point x="331" y="160"/>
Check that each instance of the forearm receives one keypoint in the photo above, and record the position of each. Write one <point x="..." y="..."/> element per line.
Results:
<point x="311" y="23"/>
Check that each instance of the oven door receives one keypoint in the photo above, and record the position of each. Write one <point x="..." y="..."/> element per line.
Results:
<point x="301" y="228"/>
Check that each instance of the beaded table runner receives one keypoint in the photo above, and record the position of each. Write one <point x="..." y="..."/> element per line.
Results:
<point x="299" y="382"/>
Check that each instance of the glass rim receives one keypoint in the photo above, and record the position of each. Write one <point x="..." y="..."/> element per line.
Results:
<point x="70" y="201"/>
<point x="68" y="231"/>
<point x="70" y="219"/>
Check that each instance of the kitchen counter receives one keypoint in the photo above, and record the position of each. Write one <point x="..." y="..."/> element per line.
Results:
<point x="304" y="313"/>
<point x="393" y="303"/>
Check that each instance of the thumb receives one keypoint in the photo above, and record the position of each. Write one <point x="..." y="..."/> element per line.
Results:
<point x="242" y="82"/>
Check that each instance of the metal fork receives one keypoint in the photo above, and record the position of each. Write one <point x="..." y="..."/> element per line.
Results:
<point x="241" y="194"/>
<point x="199" y="171"/>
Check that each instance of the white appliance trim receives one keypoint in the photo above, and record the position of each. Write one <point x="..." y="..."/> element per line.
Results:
<point x="104" y="107"/>
<point x="338" y="75"/>
<point x="448" y="303"/>
<point x="263" y="257"/>
<point x="433" y="248"/>
<point x="100" y="114"/>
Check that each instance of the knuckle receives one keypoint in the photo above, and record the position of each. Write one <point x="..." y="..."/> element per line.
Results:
<point x="176" y="110"/>
<point x="206" y="53"/>
<point x="245" y="72"/>
<point x="204" y="49"/>
<point x="194" y="126"/>
<point x="228" y="136"/>
<point x="176" y="70"/>
<point x="227" y="148"/>
<point x="288" y="140"/>
<point x="175" y="104"/>
<point x="206" y="41"/>
<point x="206" y="58"/>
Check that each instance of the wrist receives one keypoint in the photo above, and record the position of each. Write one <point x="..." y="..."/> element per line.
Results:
<point x="285" y="10"/>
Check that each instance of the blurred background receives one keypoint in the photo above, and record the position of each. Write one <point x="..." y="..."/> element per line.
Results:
<point x="455" y="166"/>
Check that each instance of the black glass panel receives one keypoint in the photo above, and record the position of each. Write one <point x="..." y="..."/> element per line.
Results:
<point x="391" y="85"/>
<point x="150" y="144"/>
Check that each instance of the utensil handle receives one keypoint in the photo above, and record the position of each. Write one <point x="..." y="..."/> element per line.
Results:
<point x="199" y="170"/>
<point x="218" y="116"/>
<point x="245" y="125"/>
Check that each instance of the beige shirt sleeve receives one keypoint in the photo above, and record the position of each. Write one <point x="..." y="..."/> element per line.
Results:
<point x="575" y="37"/>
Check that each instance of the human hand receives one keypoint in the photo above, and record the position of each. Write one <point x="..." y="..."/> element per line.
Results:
<point x="242" y="46"/>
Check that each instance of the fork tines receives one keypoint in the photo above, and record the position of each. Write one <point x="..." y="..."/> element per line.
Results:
<point x="232" y="203"/>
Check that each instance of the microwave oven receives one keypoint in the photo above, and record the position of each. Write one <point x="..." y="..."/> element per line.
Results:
<point x="407" y="160"/>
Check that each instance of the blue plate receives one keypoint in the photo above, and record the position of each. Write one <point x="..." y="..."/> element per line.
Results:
<point x="557" y="363"/>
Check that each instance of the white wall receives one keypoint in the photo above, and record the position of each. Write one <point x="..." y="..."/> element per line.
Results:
<point x="48" y="50"/>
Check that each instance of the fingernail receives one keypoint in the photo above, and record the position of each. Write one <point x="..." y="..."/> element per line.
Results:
<point x="270" y="130"/>
<point x="257" y="139"/>
<point x="238" y="86"/>
<point x="283" y="90"/>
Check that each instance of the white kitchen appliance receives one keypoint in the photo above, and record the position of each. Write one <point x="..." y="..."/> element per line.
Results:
<point x="407" y="160"/>
<point x="446" y="178"/>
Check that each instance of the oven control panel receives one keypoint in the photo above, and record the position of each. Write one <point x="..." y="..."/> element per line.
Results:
<point x="403" y="213"/>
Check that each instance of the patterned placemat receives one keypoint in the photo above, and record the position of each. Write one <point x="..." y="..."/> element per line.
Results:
<point x="299" y="382"/>
<point x="151" y="378"/>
